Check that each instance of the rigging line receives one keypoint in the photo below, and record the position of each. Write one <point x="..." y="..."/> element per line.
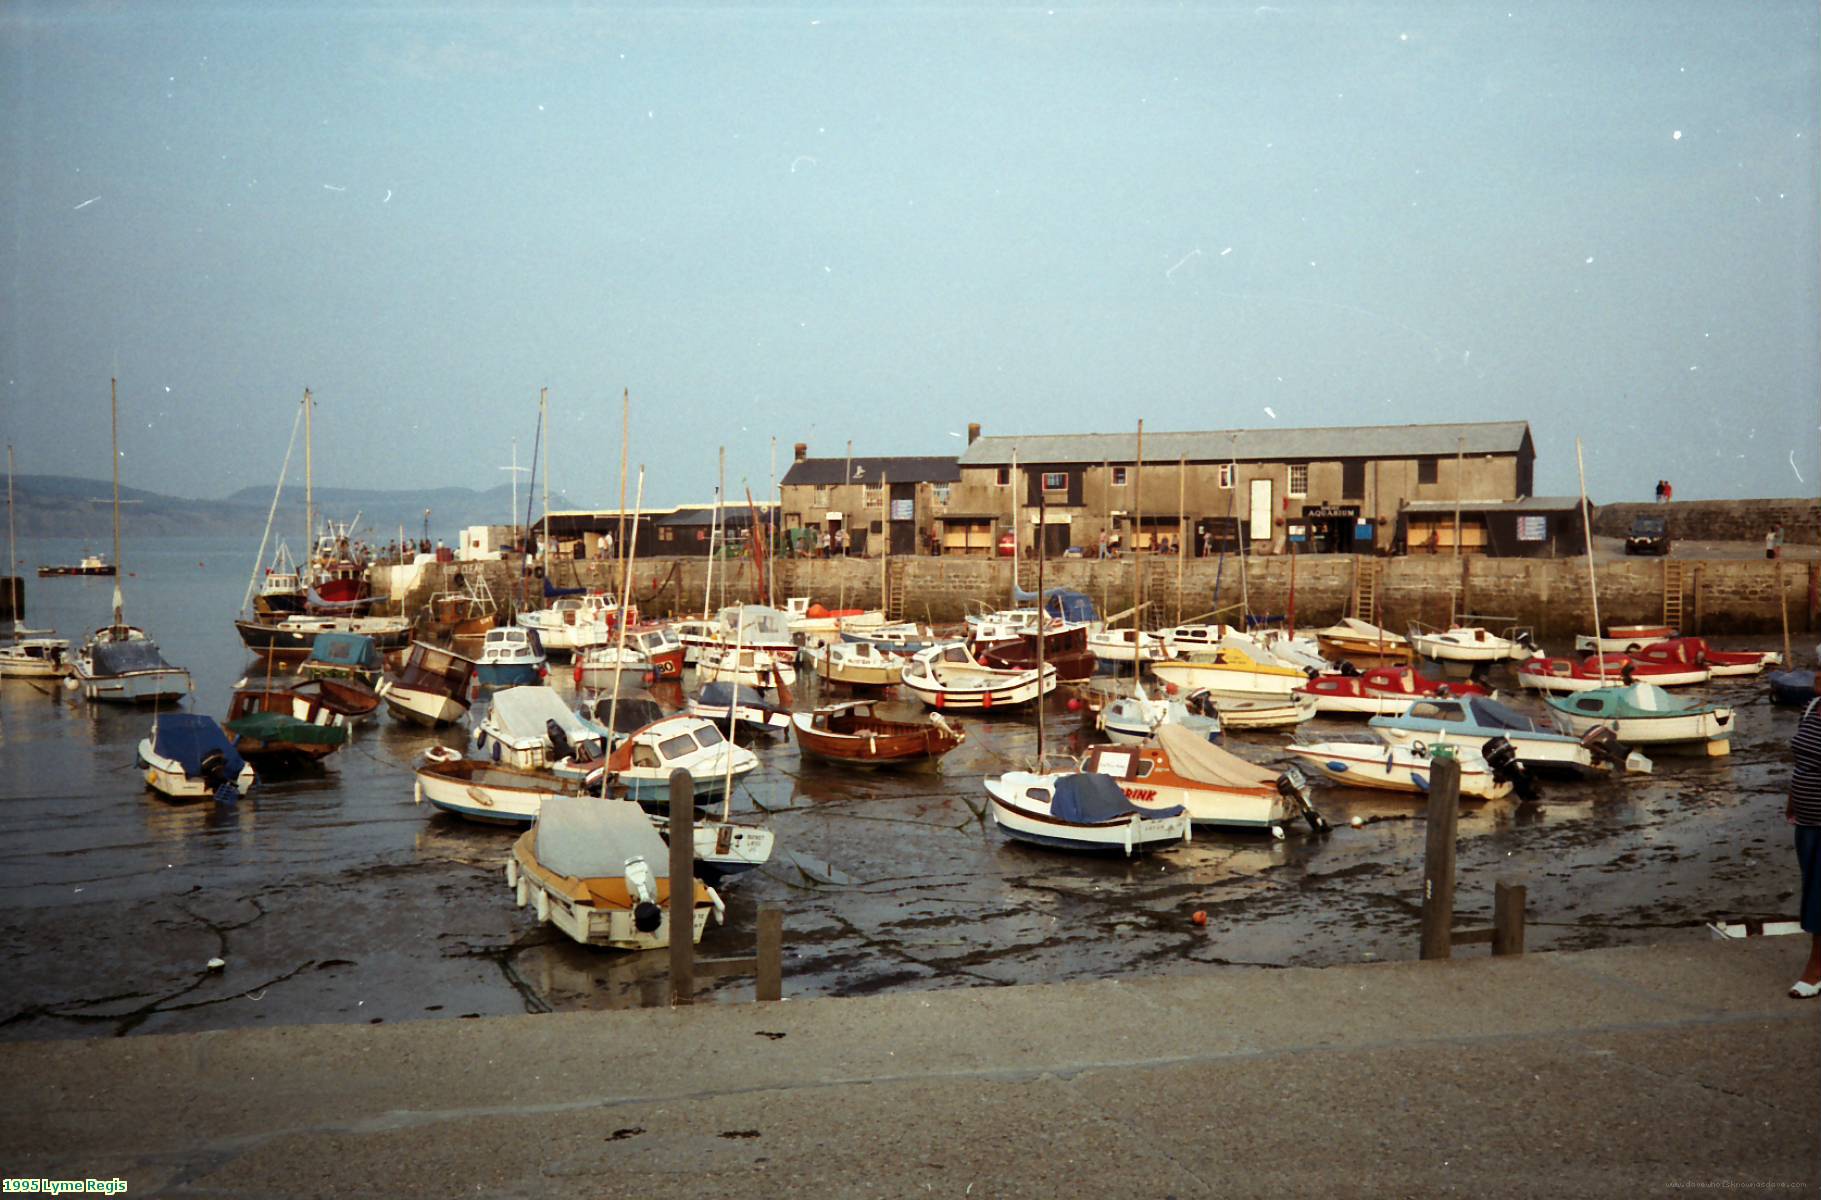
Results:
<point x="254" y="580"/>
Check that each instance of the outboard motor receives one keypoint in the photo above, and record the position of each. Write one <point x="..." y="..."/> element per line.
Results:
<point x="646" y="915"/>
<point x="1348" y="668"/>
<point x="1606" y="747"/>
<point x="1294" y="789"/>
<point x="559" y="741"/>
<point x="214" y="768"/>
<point x="1501" y="758"/>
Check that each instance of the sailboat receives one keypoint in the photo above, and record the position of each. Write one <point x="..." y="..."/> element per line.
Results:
<point x="119" y="662"/>
<point x="31" y="653"/>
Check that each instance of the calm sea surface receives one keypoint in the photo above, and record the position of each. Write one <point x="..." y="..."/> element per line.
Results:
<point x="335" y="898"/>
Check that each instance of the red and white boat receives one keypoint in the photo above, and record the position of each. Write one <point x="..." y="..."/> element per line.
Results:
<point x="1348" y="694"/>
<point x="1624" y="639"/>
<point x="1411" y="684"/>
<point x="1691" y="652"/>
<point x="1603" y="671"/>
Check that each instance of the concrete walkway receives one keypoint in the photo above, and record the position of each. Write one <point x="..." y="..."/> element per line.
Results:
<point x="1674" y="1069"/>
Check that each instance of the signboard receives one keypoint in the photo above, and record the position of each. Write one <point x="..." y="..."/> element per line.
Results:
<point x="1533" y="529"/>
<point x="1332" y="510"/>
<point x="904" y="510"/>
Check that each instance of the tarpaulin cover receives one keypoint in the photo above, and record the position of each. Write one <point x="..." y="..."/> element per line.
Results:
<point x="1193" y="757"/>
<point x="715" y="695"/>
<point x="123" y="658"/>
<point x="186" y="737"/>
<point x="346" y="650"/>
<point x="552" y="591"/>
<point x="1061" y="603"/>
<point x="1093" y="799"/>
<point x="633" y="713"/>
<point x="588" y="837"/>
<point x="519" y="717"/>
<point x="283" y="727"/>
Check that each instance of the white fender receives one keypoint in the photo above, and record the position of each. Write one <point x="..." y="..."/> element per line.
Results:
<point x="512" y="873"/>
<point x="522" y="892"/>
<point x="543" y="905"/>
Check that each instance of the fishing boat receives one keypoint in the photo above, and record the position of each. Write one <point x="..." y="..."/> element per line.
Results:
<point x="275" y="726"/>
<point x="1347" y="695"/>
<point x="857" y="664"/>
<point x="651" y="650"/>
<point x="746" y="707"/>
<point x="1643" y="714"/>
<point x="91" y="564"/>
<point x="950" y="677"/>
<point x="1078" y="811"/>
<point x="295" y="634"/>
<point x="753" y="626"/>
<point x="36" y="658"/>
<point x="1231" y="671"/>
<point x="759" y="669"/>
<point x="1212" y="786"/>
<point x="1472" y="721"/>
<point x="530" y="726"/>
<point x="1128" y="720"/>
<point x="120" y="664"/>
<point x="662" y="648"/>
<point x="1396" y="768"/>
<point x="642" y="763"/>
<point x="1624" y="639"/>
<point x="1602" y="671"/>
<point x="573" y="623"/>
<point x="598" y="871"/>
<point x="510" y="657"/>
<point x="1409" y="683"/>
<point x="349" y="657"/>
<point x="1473" y="644"/>
<point x="1065" y="647"/>
<point x="431" y="689"/>
<point x="1363" y="643"/>
<point x="1693" y="654"/>
<point x="187" y="756"/>
<point x="855" y="735"/>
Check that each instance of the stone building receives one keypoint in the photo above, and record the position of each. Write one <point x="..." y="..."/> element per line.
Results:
<point x="833" y="495"/>
<point x="1329" y="490"/>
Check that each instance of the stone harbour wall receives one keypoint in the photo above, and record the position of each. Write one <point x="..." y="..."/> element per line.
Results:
<point x="1550" y="595"/>
<point x="1720" y="520"/>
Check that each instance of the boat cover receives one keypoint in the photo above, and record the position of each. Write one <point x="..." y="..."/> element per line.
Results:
<point x="1094" y="799"/>
<point x="520" y="715"/>
<point x="552" y="591"/>
<point x="283" y="727"/>
<point x="123" y="658"/>
<point x="186" y="737"/>
<point x="1638" y="700"/>
<point x="715" y="695"/>
<point x="587" y="837"/>
<point x="635" y="711"/>
<point x="346" y="650"/>
<point x="757" y="620"/>
<point x="1490" y="714"/>
<point x="1199" y="760"/>
<point x="1061" y="603"/>
<point x="1792" y="687"/>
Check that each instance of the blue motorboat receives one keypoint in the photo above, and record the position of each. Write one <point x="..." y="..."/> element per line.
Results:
<point x="1472" y="721"/>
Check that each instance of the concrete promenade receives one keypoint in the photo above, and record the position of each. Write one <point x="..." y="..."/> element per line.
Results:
<point x="1675" y="1069"/>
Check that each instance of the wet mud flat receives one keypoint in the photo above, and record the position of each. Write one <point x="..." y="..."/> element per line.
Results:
<point x="335" y="899"/>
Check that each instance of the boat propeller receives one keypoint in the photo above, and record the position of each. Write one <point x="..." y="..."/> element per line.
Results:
<point x="1605" y="746"/>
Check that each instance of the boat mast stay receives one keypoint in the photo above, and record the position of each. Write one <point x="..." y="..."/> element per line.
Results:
<point x="619" y="622"/>
<point x="1593" y="587"/>
<point x="113" y="387"/>
<point x="253" y="581"/>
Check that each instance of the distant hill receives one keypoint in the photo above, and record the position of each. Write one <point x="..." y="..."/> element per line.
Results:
<point x="63" y="506"/>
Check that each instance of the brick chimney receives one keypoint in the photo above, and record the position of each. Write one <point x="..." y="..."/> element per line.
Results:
<point x="802" y="451"/>
<point x="973" y="432"/>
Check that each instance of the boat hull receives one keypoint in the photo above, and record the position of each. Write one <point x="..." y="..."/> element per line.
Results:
<point x="142" y="687"/>
<point x="591" y="925"/>
<point x="1393" y="769"/>
<point x="417" y="706"/>
<point x="1128" y="835"/>
<point x="1235" y="681"/>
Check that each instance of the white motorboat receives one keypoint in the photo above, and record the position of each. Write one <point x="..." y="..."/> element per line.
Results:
<point x="1472" y="721"/>
<point x="531" y="727"/>
<point x="1348" y="695"/>
<point x="1231" y="671"/>
<point x="1643" y="714"/>
<point x="36" y="658"/>
<point x="598" y="666"/>
<point x="511" y="656"/>
<point x="857" y="664"/>
<point x="1237" y="714"/>
<point x="1183" y="641"/>
<point x="722" y="702"/>
<point x="643" y="762"/>
<point x="1081" y="812"/>
<point x="1624" y="639"/>
<point x="1212" y="786"/>
<point x="1473" y="644"/>
<point x="1132" y="719"/>
<point x="759" y="669"/>
<point x="433" y="688"/>
<point x="187" y="756"/>
<point x="1361" y="641"/>
<point x="813" y="622"/>
<point x="1396" y="768"/>
<point x="1127" y="645"/>
<point x="573" y="622"/>
<point x="950" y="677"/>
<point x="598" y="871"/>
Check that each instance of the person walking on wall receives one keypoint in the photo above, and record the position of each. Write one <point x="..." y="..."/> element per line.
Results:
<point x="1803" y="810"/>
<point x="1773" y="543"/>
<point x="1660" y="486"/>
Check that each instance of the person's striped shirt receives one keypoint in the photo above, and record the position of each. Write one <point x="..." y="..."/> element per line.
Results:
<point x="1805" y="780"/>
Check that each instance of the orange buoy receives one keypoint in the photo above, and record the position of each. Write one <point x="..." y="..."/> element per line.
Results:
<point x="1200" y="917"/>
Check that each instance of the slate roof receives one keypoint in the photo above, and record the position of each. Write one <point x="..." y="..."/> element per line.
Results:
<point x="824" y="472"/>
<point x="1253" y="445"/>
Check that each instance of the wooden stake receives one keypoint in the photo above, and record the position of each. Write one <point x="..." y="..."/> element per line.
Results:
<point x="771" y="955"/>
<point x="1508" y="917"/>
<point x="682" y="887"/>
<point x="1438" y="858"/>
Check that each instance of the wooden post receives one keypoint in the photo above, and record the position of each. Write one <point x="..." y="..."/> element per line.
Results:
<point x="682" y="887"/>
<point x="1438" y="858"/>
<point x="1783" y="611"/>
<point x="1508" y="918"/>
<point x="771" y="954"/>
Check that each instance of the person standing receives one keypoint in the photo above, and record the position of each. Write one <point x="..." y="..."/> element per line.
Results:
<point x="1803" y="810"/>
<point x="1770" y="544"/>
<point x="1660" y="486"/>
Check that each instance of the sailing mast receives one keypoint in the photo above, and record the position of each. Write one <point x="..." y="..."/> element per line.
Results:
<point x="309" y="565"/>
<point x="1016" y="532"/>
<point x="619" y="623"/>
<point x="1138" y="537"/>
<point x="13" y="589"/>
<point x="1042" y="631"/>
<point x="113" y="388"/>
<point x="543" y="419"/>
<point x="1593" y="587"/>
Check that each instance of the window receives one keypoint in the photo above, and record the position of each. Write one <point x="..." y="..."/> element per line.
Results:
<point x="1226" y="475"/>
<point x="1427" y="470"/>
<point x="874" y="494"/>
<point x="1353" y="480"/>
<point x="1055" y="481"/>
<point x="1005" y="477"/>
<point x="1299" y="479"/>
<point x="666" y="534"/>
<point x="1118" y="476"/>
<point x="822" y="497"/>
<point x="940" y="491"/>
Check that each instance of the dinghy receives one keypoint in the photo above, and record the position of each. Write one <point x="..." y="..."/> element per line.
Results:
<point x="1472" y="721"/>
<point x="1363" y="643"/>
<point x="1624" y="639"/>
<point x="1396" y="768"/>
<point x="1081" y="812"/>
<point x="187" y="756"/>
<point x="1602" y="671"/>
<point x="1473" y="644"/>
<point x="853" y="734"/>
<point x="1129" y="720"/>
<point x="1211" y="785"/>
<point x="950" y="677"/>
<point x="36" y="658"/>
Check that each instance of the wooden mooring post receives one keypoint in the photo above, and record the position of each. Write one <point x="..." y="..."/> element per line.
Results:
<point x="1439" y="937"/>
<point x="767" y="965"/>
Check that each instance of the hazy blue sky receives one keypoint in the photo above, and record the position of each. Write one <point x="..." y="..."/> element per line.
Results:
<point x="879" y="223"/>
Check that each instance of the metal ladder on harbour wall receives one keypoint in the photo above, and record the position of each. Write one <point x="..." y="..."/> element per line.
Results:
<point x="1674" y="584"/>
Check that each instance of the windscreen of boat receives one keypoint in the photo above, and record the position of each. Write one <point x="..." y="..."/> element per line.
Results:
<point x="441" y="670"/>
<point x="676" y="747"/>
<point x="1492" y="714"/>
<point x="1091" y="799"/>
<point x="708" y="735"/>
<point x="124" y="658"/>
<point x="632" y="714"/>
<point x="586" y="837"/>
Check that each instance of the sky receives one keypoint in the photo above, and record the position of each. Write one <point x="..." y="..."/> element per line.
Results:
<point x="879" y="223"/>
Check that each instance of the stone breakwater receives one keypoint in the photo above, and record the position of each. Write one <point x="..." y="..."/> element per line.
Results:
<point x="1719" y="520"/>
<point x="1720" y="596"/>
